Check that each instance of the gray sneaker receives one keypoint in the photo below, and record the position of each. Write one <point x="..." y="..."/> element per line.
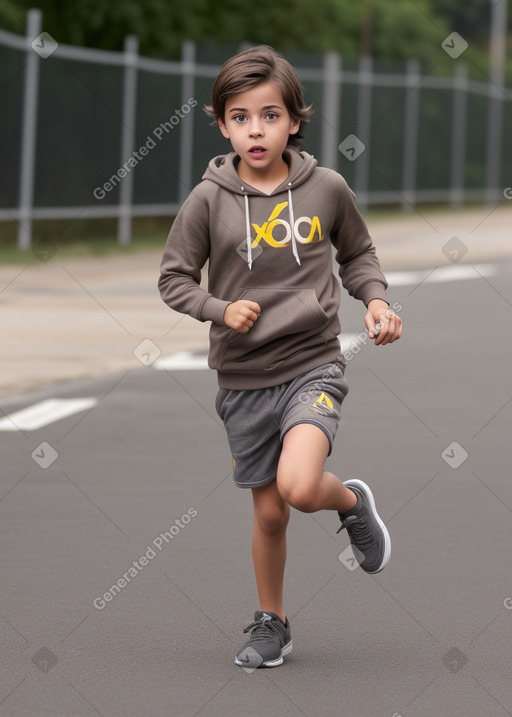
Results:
<point x="270" y="640"/>
<point x="368" y="534"/>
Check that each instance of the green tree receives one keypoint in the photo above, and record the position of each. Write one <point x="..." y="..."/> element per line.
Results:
<point x="12" y="17"/>
<point x="396" y="29"/>
<point x="470" y="18"/>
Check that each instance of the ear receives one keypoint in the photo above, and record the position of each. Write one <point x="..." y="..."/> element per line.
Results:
<point x="294" y="126"/>
<point x="223" y="128"/>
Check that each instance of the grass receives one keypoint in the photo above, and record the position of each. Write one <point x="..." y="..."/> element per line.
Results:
<point x="82" y="239"/>
<point x="79" y="248"/>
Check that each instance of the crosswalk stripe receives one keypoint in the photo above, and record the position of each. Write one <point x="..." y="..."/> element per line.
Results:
<point x="45" y="412"/>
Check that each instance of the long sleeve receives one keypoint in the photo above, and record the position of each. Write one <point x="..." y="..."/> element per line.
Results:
<point x="186" y="252"/>
<point x="359" y="267"/>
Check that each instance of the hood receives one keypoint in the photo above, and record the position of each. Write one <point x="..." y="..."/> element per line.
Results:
<point x="222" y="171"/>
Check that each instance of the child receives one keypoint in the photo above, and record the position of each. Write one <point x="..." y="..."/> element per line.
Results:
<point x="265" y="217"/>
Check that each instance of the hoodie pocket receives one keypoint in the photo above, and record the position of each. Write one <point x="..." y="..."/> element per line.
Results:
<point x="284" y="313"/>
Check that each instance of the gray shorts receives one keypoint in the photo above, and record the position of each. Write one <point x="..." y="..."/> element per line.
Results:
<point x="256" y="421"/>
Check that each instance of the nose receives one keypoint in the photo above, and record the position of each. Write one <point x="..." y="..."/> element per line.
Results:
<point x="255" y="129"/>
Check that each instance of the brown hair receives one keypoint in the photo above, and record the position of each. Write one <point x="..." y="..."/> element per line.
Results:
<point x="254" y="67"/>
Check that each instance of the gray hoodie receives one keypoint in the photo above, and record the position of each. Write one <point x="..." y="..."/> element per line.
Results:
<point x="275" y="250"/>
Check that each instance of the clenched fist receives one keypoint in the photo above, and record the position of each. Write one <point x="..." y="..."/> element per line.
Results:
<point x="241" y="315"/>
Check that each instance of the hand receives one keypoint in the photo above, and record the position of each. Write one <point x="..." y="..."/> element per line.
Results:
<point x="390" y="323"/>
<point x="241" y="315"/>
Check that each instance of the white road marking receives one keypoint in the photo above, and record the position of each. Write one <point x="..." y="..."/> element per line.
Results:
<point x="189" y="361"/>
<point x="456" y="273"/>
<point x="45" y="412"/>
<point x="404" y="278"/>
<point x="348" y="340"/>
<point x="182" y="361"/>
<point x="442" y="273"/>
<point x="55" y="409"/>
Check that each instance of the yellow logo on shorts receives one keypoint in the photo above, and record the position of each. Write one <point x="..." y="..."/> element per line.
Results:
<point x="323" y="405"/>
<point x="324" y="401"/>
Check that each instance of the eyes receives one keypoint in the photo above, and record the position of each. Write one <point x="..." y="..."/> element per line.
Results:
<point x="241" y="118"/>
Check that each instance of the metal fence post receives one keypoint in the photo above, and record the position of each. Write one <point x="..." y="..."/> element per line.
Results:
<point x="496" y="96"/>
<point x="364" y="109"/>
<point x="458" y="158"/>
<point x="124" y="222"/>
<point x="29" y="133"/>
<point x="331" y="90"/>
<point x="188" y="58"/>
<point x="412" y="109"/>
<point x="332" y="74"/>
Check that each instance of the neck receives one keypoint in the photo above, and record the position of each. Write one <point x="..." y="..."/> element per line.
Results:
<point x="265" y="181"/>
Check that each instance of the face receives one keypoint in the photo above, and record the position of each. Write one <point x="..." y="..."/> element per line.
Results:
<point x="258" y="125"/>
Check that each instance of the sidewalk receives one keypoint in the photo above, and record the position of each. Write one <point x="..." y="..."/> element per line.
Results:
<point x="71" y="319"/>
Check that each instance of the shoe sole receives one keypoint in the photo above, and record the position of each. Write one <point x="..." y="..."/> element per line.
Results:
<point x="387" y="539"/>
<point x="270" y="663"/>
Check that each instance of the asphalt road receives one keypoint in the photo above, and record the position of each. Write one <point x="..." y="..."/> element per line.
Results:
<point x="139" y="494"/>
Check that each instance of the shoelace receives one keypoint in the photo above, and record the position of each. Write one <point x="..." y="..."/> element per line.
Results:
<point x="358" y="527"/>
<point x="259" y="628"/>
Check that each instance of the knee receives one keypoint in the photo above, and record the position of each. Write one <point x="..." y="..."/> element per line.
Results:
<point x="300" y="496"/>
<point x="272" y="519"/>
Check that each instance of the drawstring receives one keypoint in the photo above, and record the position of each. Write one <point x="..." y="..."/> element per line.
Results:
<point x="248" y="237"/>
<point x="292" y="225"/>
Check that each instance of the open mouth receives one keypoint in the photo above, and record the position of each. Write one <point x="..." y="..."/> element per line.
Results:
<point x="257" y="151"/>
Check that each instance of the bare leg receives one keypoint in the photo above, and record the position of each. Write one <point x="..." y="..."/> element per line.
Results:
<point x="301" y="480"/>
<point x="271" y="515"/>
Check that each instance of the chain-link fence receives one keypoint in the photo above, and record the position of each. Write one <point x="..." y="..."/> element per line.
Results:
<point x="88" y="134"/>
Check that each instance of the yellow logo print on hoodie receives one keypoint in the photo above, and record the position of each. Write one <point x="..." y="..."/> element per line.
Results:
<point x="265" y="231"/>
